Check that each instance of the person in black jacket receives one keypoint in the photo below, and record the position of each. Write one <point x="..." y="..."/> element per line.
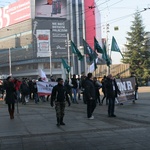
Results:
<point x="59" y="95"/>
<point x="90" y="95"/>
<point x="24" y="89"/>
<point x="10" y="96"/>
<point x="74" y="88"/>
<point x="111" y="93"/>
<point x="35" y="92"/>
<point x="104" y="90"/>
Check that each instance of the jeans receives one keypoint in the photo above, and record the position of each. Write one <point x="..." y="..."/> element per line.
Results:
<point x="36" y="97"/>
<point x="74" y="95"/>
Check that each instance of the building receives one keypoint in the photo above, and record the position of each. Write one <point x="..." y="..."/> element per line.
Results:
<point x="35" y="34"/>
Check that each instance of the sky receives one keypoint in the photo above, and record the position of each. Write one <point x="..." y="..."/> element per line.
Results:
<point x="120" y="13"/>
<point x="116" y="13"/>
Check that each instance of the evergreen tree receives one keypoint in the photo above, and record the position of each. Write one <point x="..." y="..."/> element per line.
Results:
<point x="137" y="54"/>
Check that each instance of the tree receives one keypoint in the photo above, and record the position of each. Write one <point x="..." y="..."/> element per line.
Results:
<point x="137" y="54"/>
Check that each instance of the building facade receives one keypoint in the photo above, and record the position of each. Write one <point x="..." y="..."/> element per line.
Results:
<point x="35" y="34"/>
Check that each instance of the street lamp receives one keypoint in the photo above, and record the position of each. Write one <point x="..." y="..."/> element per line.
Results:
<point x="50" y="62"/>
<point x="9" y="54"/>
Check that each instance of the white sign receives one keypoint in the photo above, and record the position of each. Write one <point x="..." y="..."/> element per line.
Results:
<point x="45" y="88"/>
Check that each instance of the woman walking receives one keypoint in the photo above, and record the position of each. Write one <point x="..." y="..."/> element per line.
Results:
<point x="10" y="96"/>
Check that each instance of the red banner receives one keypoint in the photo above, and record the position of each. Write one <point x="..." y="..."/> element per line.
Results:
<point x="14" y="13"/>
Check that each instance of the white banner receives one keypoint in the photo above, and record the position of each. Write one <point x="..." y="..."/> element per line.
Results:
<point x="45" y="88"/>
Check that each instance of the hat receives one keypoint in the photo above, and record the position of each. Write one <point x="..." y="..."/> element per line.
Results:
<point x="59" y="79"/>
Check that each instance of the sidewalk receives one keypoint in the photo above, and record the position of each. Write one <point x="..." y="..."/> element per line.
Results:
<point x="34" y="127"/>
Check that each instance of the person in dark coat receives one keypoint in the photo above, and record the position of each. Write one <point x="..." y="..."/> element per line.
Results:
<point x="74" y="88"/>
<point x="111" y="93"/>
<point x="59" y="96"/>
<point x="10" y="96"/>
<point x="24" y="89"/>
<point x="35" y="92"/>
<point x="104" y="90"/>
<point x="90" y="95"/>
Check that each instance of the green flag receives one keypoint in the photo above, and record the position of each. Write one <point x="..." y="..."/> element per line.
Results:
<point x="76" y="51"/>
<point x="105" y="55"/>
<point x="65" y="65"/>
<point x="88" y="51"/>
<point x="114" y="46"/>
<point x="97" y="46"/>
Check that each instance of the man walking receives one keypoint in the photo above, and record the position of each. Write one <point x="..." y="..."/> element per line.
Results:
<point x="90" y="96"/>
<point x="60" y="96"/>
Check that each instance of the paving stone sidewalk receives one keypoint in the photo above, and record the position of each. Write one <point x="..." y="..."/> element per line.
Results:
<point x="34" y="127"/>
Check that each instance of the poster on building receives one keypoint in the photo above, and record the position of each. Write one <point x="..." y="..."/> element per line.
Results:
<point x="50" y="8"/>
<point x="59" y="38"/>
<point x="127" y="89"/>
<point x="15" y="12"/>
<point x="43" y="43"/>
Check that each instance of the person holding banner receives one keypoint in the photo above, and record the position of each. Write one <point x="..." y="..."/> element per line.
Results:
<point x="111" y="93"/>
<point x="59" y="96"/>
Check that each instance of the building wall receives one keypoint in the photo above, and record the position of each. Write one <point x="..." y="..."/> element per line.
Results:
<point x="122" y="69"/>
<point x="23" y="45"/>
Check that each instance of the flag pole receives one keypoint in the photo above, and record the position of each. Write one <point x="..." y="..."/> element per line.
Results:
<point x="68" y="44"/>
<point x="107" y="46"/>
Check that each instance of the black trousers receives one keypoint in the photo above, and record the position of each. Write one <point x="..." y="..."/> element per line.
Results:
<point x="91" y="105"/>
<point x="111" y="106"/>
<point x="11" y="107"/>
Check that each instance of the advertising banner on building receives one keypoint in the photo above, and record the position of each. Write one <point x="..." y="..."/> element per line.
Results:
<point x="15" y="12"/>
<point x="58" y="28"/>
<point x="127" y="89"/>
<point x="59" y="38"/>
<point x="50" y="8"/>
<point x="43" y="43"/>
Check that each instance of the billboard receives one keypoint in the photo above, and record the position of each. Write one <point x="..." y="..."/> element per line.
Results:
<point x="43" y="43"/>
<point x="51" y="8"/>
<point x="58" y="29"/>
<point x="14" y="13"/>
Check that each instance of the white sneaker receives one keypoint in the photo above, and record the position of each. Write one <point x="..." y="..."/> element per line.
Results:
<point x="92" y="117"/>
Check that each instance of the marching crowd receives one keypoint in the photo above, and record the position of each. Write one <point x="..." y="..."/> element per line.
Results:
<point x="65" y="91"/>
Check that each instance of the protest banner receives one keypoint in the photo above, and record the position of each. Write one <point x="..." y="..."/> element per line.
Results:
<point x="127" y="89"/>
<point x="45" y="88"/>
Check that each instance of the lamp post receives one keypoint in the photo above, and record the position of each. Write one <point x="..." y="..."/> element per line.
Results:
<point x="50" y="62"/>
<point x="9" y="55"/>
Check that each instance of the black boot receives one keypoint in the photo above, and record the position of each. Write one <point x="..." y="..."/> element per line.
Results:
<point x="58" y="121"/>
<point x="12" y="113"/>
<point x="61" y="121"/>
